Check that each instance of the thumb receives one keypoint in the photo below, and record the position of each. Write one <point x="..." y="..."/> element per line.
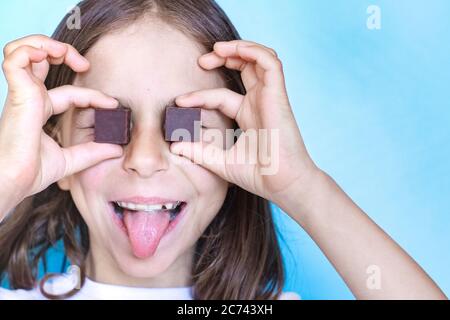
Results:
<point x="208" y="156"/>
<point x="86" y="155"/>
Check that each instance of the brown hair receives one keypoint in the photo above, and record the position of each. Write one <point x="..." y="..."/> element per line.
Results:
<point x="237" y="257"/>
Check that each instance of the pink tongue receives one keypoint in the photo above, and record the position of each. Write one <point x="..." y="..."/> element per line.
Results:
<point x="145" y="230"/>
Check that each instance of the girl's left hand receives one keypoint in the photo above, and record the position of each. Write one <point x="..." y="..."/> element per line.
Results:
<point x="264" y="106"/>
<point x="303" y="191"/>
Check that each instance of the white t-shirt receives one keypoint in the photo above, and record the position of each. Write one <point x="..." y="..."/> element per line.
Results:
<point x="100" y="291"/>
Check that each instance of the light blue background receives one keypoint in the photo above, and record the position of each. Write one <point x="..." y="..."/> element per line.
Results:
<point x="373" y="107"/>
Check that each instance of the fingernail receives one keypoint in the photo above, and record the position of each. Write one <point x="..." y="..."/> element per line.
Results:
<point x="86" y="60"/>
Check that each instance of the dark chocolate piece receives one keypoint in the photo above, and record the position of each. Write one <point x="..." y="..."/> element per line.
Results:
<point x="182" y="124"/>
<point x="112" y="125"/>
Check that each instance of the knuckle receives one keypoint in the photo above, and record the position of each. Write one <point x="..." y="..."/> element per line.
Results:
<point x="5" y="66"/>
<point x="8" y="48"/>
<point x="278" y="63"/>
<point x="25" y="49"/>
<point x="70" y="47"/>
<point x="242" y="66"/>
<point x="38" y="37"/>
<point x="19" y="52"/>
<point x="273" y="52"/>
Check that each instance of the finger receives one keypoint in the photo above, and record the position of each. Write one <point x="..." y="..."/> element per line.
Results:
<point x="15" y="65"/>
<point x="256" y="54"/>
<point x="221" y="138"/>
<point x="225" y="100"/>
<point x="83" y="156"/>
<point x="58" y="52"/>
<point x="212" y="61"/>
<point x="208" y="156"/>
<point x="66" y="97"/>
<point x="37" y="41"/>
<point x="215" y="119"/>
<point x="71" y="58"/>
<point x="247" y="43"/>
<point x="40" y="70"/>
<point x="217" y="128"/>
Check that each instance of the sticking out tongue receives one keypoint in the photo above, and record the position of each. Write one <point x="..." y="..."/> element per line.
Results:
<point x="145" y="230"/>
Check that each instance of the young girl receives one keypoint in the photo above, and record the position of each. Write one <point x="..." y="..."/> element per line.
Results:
<point x="149" y="220"/>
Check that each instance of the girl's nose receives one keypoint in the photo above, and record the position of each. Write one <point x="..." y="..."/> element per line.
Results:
<point x="146" y="153"/>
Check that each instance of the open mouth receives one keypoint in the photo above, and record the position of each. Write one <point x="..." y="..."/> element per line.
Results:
<point x="172" y="208"/>
<point x="146" y="224"/>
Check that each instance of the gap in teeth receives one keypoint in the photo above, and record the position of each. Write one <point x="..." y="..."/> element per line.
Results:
<point x="147" y="207"/>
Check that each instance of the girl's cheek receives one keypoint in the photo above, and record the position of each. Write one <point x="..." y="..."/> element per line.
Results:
<point x="93" y="178"/>
<point x="211" y="189"/>
<point x="204" y="182"/>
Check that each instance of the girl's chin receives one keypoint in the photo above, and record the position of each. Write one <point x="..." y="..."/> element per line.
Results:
<point x="150" y="268"/>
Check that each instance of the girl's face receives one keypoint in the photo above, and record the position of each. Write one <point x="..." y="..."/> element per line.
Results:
<point x="145" y="67"/>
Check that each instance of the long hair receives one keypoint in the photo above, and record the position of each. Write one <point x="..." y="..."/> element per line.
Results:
<point x="238" y="255"/>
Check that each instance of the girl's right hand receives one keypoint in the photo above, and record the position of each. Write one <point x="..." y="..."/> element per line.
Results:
<point x="29" y="159"/>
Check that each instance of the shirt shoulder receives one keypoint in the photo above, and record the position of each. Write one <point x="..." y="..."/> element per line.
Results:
<point x="289" y="295"/>
<point x="19" y="294"/>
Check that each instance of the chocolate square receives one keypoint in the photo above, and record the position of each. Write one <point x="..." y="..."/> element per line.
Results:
<point x="112" y="125"/>
<point x="182" y="124"/>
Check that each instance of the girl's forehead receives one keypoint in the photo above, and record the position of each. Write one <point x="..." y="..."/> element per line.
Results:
<point x="147" y="58"/>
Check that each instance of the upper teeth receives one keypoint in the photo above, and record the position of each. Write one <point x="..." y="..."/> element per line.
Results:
<point x="148" y="207"/>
